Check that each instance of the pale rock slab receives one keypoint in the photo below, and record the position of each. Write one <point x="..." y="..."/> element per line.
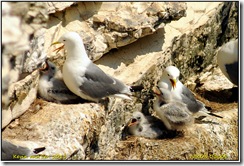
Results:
<point x="57" y="6"/>
<point x="21" y="20"/>
<point x="109" y="25"/>
<point x="62" y="130"/>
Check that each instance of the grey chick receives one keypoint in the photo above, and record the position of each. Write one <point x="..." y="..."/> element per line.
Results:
<point x="52" y="87"/>
<point x="15" y="152"/>
<point x="144" y="126"/>
<point x="174" y="114"/>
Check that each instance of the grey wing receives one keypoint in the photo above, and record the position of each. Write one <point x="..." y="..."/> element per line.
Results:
<point x="177" y="114"/>
<point x="9" y="151"/>
<point x="232" y="71"/>
<point x="189" y="99"/>
<point x="98" y="84"/>
<point x="60" y="92"/>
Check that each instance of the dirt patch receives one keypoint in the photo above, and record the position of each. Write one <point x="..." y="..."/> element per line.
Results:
<point x="22" y="128"/>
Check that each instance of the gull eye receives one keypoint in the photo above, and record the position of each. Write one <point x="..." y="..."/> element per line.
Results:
<point x="64" y="40"/>
<point x="138" y="118"/>
<point x="52" y="68"/>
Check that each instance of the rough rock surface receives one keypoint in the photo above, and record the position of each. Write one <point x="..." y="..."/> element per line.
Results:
<point x="68" y="129"/>
<point x="106" y="26"/>
<point x="21" y="21"/>
<point x="205" y="141"/>
<point x="93" y="132"/>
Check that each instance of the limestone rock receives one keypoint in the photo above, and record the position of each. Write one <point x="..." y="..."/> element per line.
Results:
<point x="194" y="50"/>
<point x="22" y="94"/>
<point x="5" y="81"/>
<point x="215" y="81"/>
<point x="210" y="141"/>
<point x="154" y="60"/>
<point x="66" y="132"/>
<point x="21" y="20"/>
<point x="36" y="55"/>
<point x="108" y="25"/>
<point x="58" y="6"/>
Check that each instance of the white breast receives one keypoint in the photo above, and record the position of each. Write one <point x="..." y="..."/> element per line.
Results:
<point x="73" y="74"/>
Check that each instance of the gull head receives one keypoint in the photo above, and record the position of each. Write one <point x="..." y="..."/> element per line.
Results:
<point x="48" y="68"/>
<point x="69" y="40"/>
<point x="172" y="73"/>
<point x="136" y="119"/>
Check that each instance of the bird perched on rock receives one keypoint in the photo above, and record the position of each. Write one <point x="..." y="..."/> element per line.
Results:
<point x="15" y="152"/>
<point x="227" y="59"/>
<point x="174" y="114"/>
<point x="144" y="126"/>
<point x="179" y="92"/>
<point x="51" y="86"/>
<point x="83" y="77"/>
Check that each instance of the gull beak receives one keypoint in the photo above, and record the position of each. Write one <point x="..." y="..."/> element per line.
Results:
<point x="173" y="83"/>
<point x="54" y="43"/>
<point x="132" y="122"/>
<point x="59" y="48"/>
<point x="156" y="91"/>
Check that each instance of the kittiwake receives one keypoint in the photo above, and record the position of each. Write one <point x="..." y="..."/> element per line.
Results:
<point x="179" y="92"/>
<point x="227" y="59"/>
<point x="83" y="77"/>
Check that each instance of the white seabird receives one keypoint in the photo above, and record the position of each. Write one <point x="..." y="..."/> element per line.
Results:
<point x="143" y="126"/>
<point x="15" y="152"/>
<point x="83" y="77"/>
<point x="227" y="59"/>
<point x="51" y="86"/>
<point x="179" y="92"/>
<point x="174" y="114"/>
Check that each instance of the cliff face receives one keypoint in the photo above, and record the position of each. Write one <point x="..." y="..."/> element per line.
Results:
<point x="132" y="41"/>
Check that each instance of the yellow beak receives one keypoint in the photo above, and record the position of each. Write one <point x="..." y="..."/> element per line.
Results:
<point x="173" y="83"/>
<point x="55" y="43"/>
<point x="59" y="48"/>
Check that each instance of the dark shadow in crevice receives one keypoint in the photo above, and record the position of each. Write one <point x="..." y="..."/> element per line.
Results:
<point x="221" y="96"/>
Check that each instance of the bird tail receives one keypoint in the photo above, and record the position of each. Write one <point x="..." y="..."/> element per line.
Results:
<point x="212" y="114"/>
<point x="205" y="111"/>
<point x="38" y="150"/>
